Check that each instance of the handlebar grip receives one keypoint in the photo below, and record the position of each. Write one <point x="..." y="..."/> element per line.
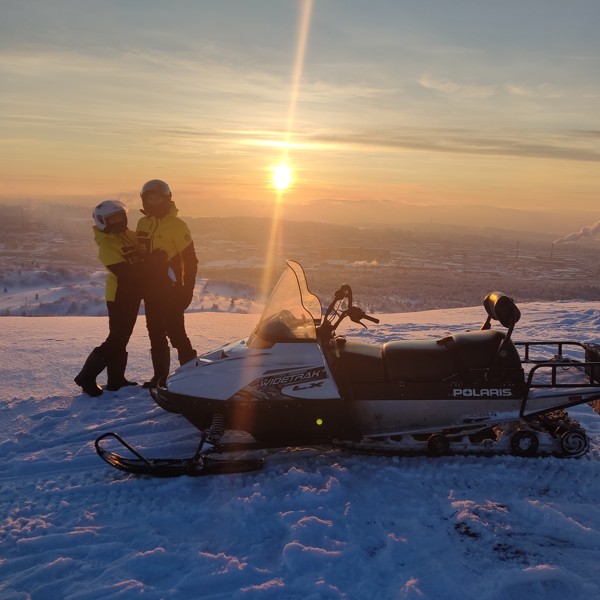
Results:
<point x="372" y="319"/>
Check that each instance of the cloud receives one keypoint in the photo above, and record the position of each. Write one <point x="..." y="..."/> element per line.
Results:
<point x="543" y="91"/>
<point x="574" y="145"/>
<point x="453" y="88"/>
<point x="519" y="90"/>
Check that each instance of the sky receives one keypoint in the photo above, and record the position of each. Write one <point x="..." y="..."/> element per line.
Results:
<point x="374" y="105"/>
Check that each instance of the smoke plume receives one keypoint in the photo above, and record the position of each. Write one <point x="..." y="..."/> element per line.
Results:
<point x="585" y="232"/>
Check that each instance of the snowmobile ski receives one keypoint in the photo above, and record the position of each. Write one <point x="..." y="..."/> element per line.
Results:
<point x="199" y="464"/>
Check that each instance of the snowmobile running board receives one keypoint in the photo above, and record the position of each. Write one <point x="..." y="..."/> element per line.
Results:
<point x="553" y="435"/>
<point x="199" y="464"/>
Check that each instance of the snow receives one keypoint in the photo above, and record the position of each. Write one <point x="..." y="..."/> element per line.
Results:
<point x="310" y="525"/>
<point x="30" y="292"/>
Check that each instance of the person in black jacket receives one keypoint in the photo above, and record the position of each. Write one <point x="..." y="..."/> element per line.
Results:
<point x="119" y="252"/>
<point x="171" y="266"/>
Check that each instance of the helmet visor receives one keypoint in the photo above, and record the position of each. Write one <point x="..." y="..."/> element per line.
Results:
<point x="116" y="218"/>
<point x="154" y="198"/>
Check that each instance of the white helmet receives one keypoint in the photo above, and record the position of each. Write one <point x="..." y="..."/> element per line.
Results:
<point x="110" y="212"/>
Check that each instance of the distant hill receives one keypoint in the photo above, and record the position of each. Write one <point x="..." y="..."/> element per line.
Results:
<point x="355" y="213"/>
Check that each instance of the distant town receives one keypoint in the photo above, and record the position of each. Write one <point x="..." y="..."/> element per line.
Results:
<point x="391" y="269"/>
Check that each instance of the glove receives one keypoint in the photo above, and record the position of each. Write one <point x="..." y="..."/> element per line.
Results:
<point x="184" y="297"/>
<point x="156" y="262"/>
<point x="186" y="291"/>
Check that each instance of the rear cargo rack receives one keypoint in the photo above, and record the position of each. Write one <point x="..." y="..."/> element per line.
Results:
<point x="550" y="373"/>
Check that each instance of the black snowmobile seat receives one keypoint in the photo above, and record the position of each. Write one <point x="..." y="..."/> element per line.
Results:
<point x="359" y="362"/>
<point x="462" y="355"/>
<point x="417" y="360"/>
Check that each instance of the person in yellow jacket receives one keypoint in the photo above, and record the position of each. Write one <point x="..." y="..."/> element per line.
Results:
<point x="170" y="276"/>
<point x="119" y="252"/>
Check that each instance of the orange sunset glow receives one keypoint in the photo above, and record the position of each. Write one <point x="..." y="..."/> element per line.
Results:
<point x="410" y="105"/>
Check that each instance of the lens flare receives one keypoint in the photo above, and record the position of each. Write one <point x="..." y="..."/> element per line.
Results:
<point x="282" y="174"/>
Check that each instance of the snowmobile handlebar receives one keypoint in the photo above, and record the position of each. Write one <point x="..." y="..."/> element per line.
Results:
<point x="345" y="291"/>
<point x="354" y="313"/>
<point x="372" y="319"/>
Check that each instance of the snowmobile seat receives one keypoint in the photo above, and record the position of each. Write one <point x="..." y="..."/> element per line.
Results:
<point x="465" y="357"/>
<point x="359" y="362"/>
<point x="417" y="360"/>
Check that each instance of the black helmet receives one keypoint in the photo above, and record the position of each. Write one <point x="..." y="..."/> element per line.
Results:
<point x="159" y="205"/>
<point x="156" y="185"/>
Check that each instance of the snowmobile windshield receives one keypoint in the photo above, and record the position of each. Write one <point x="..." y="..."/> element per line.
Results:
<point x="291" y="313"/>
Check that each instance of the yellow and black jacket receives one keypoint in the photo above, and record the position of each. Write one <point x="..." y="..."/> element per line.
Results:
<point x="168" y="251"/>
<point x="120" y="254"/>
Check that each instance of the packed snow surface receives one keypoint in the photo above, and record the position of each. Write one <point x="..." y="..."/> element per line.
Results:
<point x="310" y="525"/>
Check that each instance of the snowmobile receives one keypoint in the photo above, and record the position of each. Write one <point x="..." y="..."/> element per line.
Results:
<point x="297" y="381"/>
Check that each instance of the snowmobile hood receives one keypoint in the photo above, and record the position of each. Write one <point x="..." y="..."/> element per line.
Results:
<point x="222" y="373"/>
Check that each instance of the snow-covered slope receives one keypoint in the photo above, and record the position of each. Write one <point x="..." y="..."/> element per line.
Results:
<point x="36" y="293"/>
<point x="320" y="525"/>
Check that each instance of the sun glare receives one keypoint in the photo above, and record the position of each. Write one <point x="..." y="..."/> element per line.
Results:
<point x="282" y="177"/>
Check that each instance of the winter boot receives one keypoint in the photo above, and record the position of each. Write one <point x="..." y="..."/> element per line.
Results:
<point x="161" y="362"/>
<point x="94" y="365"/>
<point x="115" y="370"/>
<point x="186" y="355"/>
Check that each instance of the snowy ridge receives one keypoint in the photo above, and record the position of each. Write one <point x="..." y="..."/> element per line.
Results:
<point x="44" y="294"/>
<point x="313" y="524"/>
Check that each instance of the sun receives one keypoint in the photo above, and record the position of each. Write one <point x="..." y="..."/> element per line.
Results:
<point x="282" y="176"/>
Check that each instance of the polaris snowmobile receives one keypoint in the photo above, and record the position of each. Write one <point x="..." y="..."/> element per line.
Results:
<point x="296" y="381"/>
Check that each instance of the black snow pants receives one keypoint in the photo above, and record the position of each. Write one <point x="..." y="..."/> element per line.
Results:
<point x="122" y="316"/>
